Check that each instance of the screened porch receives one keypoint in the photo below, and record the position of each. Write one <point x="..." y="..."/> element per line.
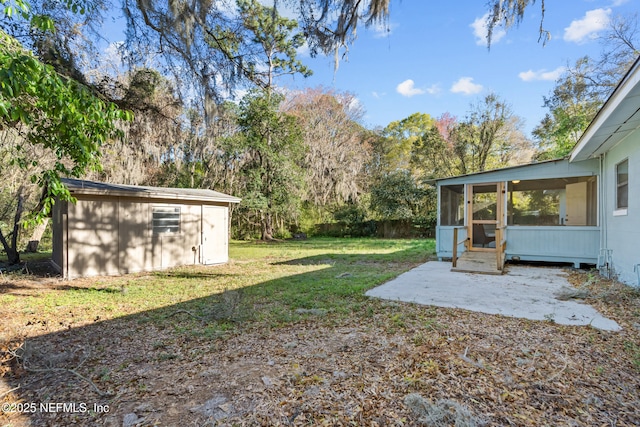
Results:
<point x="551" y="219"/>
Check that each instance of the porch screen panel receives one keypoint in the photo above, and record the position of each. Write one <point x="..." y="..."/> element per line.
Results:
<point x="452" y="205"/>
<point x="569" y="201"/>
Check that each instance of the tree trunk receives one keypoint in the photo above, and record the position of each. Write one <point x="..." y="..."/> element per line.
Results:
<point x="32" y="246"/>
<point x="11" y="248"/>
<point x="13" y="256"/>
<point x="267" y="227"/>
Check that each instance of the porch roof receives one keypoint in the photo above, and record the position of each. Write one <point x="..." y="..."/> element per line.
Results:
<point x="557" y="168"/>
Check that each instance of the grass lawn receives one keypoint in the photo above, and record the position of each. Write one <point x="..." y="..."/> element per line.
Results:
<point x="283" y="335"/>
<point x="270" y="281"/>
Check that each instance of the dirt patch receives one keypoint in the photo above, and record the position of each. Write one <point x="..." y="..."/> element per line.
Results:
<point x="325" y="370"/>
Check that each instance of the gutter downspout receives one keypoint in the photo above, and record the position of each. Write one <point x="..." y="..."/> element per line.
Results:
<point x="603" y="204"/>
<point x="605" y="258"/>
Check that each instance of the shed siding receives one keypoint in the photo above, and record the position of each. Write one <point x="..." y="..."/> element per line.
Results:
<point x="444" y="240"/>
<point x="623" y="231"/>
<point x="114" y="235"/>
<point x="134" y="246"/>
<point x="92" y="233"/>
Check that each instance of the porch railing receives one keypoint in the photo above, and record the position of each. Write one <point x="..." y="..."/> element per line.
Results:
<point x="456" y="243"/>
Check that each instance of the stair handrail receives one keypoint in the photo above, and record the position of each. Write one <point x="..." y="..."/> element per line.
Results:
<point x="501" y="247"/>
<point x="454" y="256"/>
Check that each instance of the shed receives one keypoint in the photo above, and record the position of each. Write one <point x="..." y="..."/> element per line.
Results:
<point x="583" y="209"/>
<point x="117" y="229"/>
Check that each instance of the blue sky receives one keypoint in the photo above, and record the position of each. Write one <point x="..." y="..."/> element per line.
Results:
<point x="434" y="58"/>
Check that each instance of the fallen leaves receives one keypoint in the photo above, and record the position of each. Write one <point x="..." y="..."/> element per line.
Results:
<point x="348" y="370"/>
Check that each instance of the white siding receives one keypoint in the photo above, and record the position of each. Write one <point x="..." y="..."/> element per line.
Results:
<point x="623" y="230"/>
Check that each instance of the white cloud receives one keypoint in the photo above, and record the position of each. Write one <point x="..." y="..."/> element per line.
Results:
<point x="434" y="89"/>
<point x="544" y="75"/>
<point x="617" y="3"/>
<point x="466" y="86"/>
<point x="407" y="88"/>
<point x="303" y="51"/>
<point x="587" y="28"/>
<point x="480" y="31"/>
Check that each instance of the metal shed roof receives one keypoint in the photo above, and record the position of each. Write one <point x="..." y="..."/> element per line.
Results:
<point x="78" y="187"/>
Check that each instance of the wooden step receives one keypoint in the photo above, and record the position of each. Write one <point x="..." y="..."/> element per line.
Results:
<point x="477" y="262"/>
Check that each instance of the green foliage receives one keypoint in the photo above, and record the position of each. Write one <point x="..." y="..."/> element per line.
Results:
<point x="481" y="134"/>
<point x="277" y="38"/>
<point x="572" y="106"/>
<point x="272" y="151"/>
<point x="53" y="112"/>
<point x="21" y="10"/>
<point x="397" y="196"/>
<point x="432" y="156"/>
<point x="350" y="213"/>
<point x="400" y="138"/>
<point x="41" y="109"/>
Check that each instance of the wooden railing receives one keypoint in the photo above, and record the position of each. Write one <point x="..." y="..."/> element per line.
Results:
<point x="501" y="247"/>
<point x="456" y="243"/>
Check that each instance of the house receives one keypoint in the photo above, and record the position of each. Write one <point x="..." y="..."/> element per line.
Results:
<point x="117" y="229"/>
<point x="583" y="209"/>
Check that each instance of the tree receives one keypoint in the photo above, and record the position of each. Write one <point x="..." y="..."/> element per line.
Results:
<point x="271" y="154"/>
<point x="583" y="88"/>
<point x="400" y="138"/>
<point x="620" y="48"/>
<point x="154" y="135"/>
<point x="507" y="13"/>
<point x="396" y="196"/>
<point x="432" y="153"/>
<point x="571" y="108"/>
<point x="276" y="39"/>
<point x="47" y="110"/>
<point x="272" y="136"/>
<point x="337" y="147"/>
<point x="332" y="24"/>
<point x="476" y="137"/>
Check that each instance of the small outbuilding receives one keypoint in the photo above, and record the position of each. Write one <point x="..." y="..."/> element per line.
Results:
<point x="117" y="229"/>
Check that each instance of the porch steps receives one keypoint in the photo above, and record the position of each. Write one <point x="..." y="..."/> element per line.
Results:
<point x="477" y="262"/>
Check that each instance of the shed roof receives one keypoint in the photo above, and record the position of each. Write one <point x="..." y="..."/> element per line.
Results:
<point x="78" y="186"/>
<point x="618" y="118"/>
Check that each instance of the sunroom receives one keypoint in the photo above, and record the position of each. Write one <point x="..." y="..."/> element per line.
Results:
<point x="546" y="211"/>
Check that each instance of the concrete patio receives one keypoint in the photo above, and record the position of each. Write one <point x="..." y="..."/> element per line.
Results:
<point x="524" y="291"/>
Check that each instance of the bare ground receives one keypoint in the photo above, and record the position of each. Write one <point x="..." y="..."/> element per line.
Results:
<point x="355" y="369"/>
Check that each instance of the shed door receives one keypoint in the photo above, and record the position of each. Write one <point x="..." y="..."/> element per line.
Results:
<point x="215" y="235"/>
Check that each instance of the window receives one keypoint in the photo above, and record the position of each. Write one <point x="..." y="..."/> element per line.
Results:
<point x="622" y="185"/>
<point x="166" y="220"/>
